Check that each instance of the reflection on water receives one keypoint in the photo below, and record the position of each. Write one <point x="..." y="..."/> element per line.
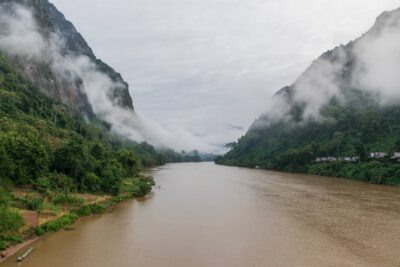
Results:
<point x="208" y="215"/>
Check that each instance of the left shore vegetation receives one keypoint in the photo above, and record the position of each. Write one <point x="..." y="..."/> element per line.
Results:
<point x="55" y="166"/>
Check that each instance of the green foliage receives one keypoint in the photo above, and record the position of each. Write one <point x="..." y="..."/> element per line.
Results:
<point x="5" y="198"/>
<point x="129" y="162"/>
<point x="29" y="155"/>
<point x="13" y="239"/>
<point x="46" y="144"/>
<point x="40" y="231"/>
<point x="56" y="225"/>
<point x="3" y="245"/>
<point x="352" y="127"/>
<point x="91" y="182"/>
<point x="43" y="185"/>
<point x="34" y="203"/>
<point x="10" y="221"/>
<point x="91" y="209"/>
<point x="7" y="240"/>
<point x="137" y="187"/>
<point x="66" y="199"/>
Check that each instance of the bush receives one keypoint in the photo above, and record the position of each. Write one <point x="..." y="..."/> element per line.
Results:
<point x="58" y="224"/>
<point x="14" y="239"/>
<point x="91" y="209"/>
<point x="90" y="182"/>
<point x="65" y="199"/>
<point x="40" y="231"/>
<point x="138" y="187"/>
<point x="10" y="221"/>
<point x="3" y="245"/>
<point x="61" y="182"/>
<point x="43" y="185"/>
<point x="33" y="203"/>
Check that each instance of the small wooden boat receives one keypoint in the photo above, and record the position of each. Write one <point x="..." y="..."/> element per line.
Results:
<point x="25" y="255"/>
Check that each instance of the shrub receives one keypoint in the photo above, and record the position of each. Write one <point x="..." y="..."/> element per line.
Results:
<point x="62" y="182"/>
<point x="91" y="209"/>
<point x="65" y="199"/>
<point x="40" y="231"/>
<point x="3" y="245"/>
<point x="43" y="185"/>
<point x="59" y="223"/>
<point x="90" y="182"/>
<point x="14" y="239"/>
<point x="33" y="203"/>
<point x="10" y="221"/>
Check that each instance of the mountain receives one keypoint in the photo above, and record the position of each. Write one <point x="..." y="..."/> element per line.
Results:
<point x="52" y="92"/>
<point x="60" y="67"/>
<point x="344" y="107"/>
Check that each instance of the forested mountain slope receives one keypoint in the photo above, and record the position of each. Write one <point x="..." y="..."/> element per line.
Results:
<point x="49" y="52"/>
<point x="344" y="107"/>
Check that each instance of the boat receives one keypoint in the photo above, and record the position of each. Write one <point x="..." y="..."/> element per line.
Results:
<point x="25" y="255"/>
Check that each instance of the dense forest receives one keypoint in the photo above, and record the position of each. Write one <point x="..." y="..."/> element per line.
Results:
<point x="42" y="139"/>
<point x="353" y="128"/>
<point x="51" y="149"/>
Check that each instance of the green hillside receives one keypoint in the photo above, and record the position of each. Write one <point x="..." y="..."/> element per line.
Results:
<point x="42" y="141"/>
<point x="354" y="128"/>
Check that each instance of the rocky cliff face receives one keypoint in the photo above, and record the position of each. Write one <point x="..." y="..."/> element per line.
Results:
<point x="46" y="72"/>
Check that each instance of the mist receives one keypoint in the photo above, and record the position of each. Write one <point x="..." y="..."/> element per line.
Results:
<point x="375" y="61"/>
<point x="205" y="97"/>
<point x="21" y="36"/>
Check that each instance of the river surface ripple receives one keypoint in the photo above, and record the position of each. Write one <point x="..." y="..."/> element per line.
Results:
<point x="209" y="215"/>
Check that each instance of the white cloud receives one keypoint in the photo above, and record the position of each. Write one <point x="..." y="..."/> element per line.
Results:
<point x="200" y="64"/>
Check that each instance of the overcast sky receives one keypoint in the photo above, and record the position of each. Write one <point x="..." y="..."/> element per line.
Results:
<point x="210" y="66"/>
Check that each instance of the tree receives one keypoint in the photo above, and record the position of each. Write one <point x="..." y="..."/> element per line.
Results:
<point x="111" y="175"/>
<point x="129" y="162"/>
<point x="338" y="139"/>
<point x="26" y="154"/>
<point x="73" y="159"/>
<point x="10" y="221"/>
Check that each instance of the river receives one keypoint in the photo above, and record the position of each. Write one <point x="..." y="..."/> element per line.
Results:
<point x="209" y="215"/>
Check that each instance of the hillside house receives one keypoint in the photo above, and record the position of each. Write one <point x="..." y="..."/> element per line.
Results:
<point x="396" y="156"/>
<point x="350" y="159"/>
<point x="377" y="155"/>
<point x="343" y="159"/>
<point x="325" y="159"/>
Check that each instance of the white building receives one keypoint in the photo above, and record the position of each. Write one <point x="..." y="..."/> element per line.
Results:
<point x="351" y="159"/>
<point x="326" y="159"/>
<point x="377" y="155"/>
<point x="343" y="159"/>
<point x="396" y="156"/>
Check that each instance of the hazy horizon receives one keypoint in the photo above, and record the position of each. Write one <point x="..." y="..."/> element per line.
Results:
<point x="206" y="69"/>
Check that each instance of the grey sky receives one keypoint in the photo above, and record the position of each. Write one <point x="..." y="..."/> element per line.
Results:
<point x="204" y="66"/>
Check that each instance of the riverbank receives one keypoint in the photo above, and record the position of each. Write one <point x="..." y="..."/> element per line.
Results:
<point x="373" y="172"/>
<point x="57" y="211"/>
<point x="11" y="251"/>
<point x="275" y="219"/>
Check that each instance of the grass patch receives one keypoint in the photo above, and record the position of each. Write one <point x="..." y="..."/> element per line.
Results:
<point x="138" y="186"/>
<point x="6" y="241"/>
<point x="57" y="224"/>
<point x="66" y="199"/>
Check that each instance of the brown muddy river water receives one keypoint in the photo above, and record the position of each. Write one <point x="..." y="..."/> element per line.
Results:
<point x="208" y="215"/>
